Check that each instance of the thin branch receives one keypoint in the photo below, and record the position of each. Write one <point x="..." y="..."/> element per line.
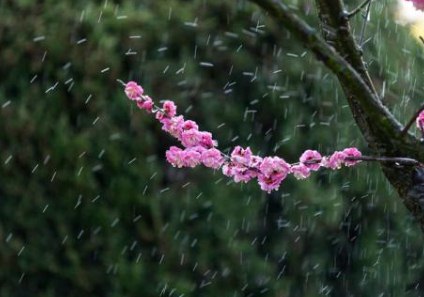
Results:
<point x="397" y="160"/>
<point x="358" y="9"/>
<point x="364" y="24"/>
<point x="422" y="39"/>
<point x="411" y="121"/>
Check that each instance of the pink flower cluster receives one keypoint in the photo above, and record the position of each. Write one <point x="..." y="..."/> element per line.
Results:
<point x="271" y="171"/>
<point x="418" y="4"/>
<point x="199" y="147"/>
<point x="420" y="121"/>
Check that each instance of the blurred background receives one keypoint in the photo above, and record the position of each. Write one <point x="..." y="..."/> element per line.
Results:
<point x="89" y="206"/>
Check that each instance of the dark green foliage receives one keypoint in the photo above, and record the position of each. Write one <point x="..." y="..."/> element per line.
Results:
<point x="89" y="207"/>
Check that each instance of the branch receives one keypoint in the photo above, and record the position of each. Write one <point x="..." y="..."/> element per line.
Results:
<point x="362" y="91"/>
<point x="358" y="9"/>
<point x="412" y="120"/>
<point x="332" y="14"/>
<point x="364" y="25"/>
<point x="398" y="160"/>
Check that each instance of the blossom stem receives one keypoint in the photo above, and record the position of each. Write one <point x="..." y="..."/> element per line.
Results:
<point x="364" y="24"/>
<point x="411" y="121"/>
<point x="398" y="160"/>
<point x="358" y="9"/>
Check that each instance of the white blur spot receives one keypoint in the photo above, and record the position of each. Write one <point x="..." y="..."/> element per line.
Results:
<point x="406" y="14"/>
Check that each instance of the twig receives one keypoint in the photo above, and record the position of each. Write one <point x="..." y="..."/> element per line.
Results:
<point x="411" y="121"/>
<point x="121" y="82"/>
<point x="398" y="160"/>
<point x="422" y="39"/>
<point x="357" y="9"/>
<point x="364" y="24"/>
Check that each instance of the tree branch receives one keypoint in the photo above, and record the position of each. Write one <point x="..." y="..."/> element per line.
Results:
<point x="364" y="25"/>
<point x="358" y="9"/>
<point x="332" y="14"/>
<point x="412" y="120"/>
<point x="363" y="91"/>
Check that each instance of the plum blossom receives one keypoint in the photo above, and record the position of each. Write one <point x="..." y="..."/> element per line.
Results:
<point x="311" y="156"/>
<point x="205" y="139"/>
<point x="349" y="153"/>
<point x="193" y="137"/>
<point x="174" y="156"/>
<point x="420" y="121"/>
<point x="255" y="162"/>
<point x="335" y="161"/>
<point x="133" y="90"/>
<point x="191" y="157"/>
<point x="301" y="171"/>
<point x="173" y="126"/>
<point x="243" y="174"/>
<point x="146" y="104"/>
<point x="189" y="124"/>
<point x="212" y="158"/>
<point x="239" y="172"/>
<point x="273" y="170"/>
<point x="169" y="108"/>
<point x="183" y="158"/>
<point x="241" y="156"/>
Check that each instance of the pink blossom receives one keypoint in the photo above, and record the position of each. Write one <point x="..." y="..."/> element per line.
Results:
<point x="274" y="165"/>
<point x="193" y="137"/>
<point x="335" y="161"/>
<point x="133" y="90"/>
<point x="239" y="172"/>
<point x="240" y="155"/>
<point x="418" y="4"/>
<point x="191" y="157"/>
<point x="269" y="183"/>
<point x="175" y="156"/>
<point x="198" y="148"/>
<point x="273" y="170"/>
<point x="420" y="121"/>
<point x="228" y="169"/>
<point x="159" y="115"/>
<point x="255" y="162"/>
<point x="190" y="137"/>
<point x="169" y="108"/>
<point x="243" y="174"/>
<point x="212" y="158"/>
<point x="189" y="124"/>
<point x="146" y="104"/>
<point x="300" y="171"/>
<point x="205" y="139"/>
<point x="173" y="126"/>
<point x="310" y="156"/>
<point x="351" y="152"/>
<point x="183" y="158"/>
